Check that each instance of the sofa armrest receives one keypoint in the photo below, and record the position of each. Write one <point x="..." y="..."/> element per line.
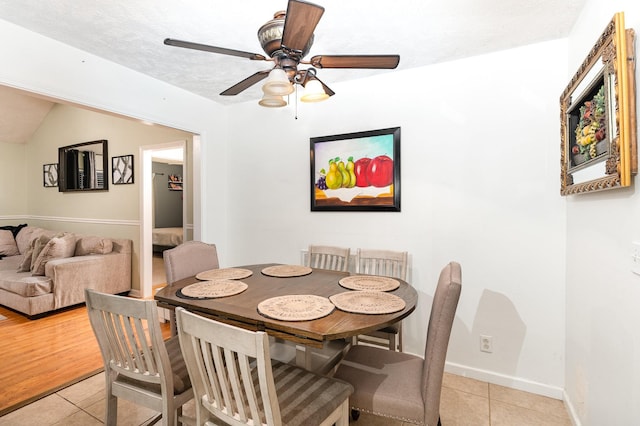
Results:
<point x="108" y="273"/>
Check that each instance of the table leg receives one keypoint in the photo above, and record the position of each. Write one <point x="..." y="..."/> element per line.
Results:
<point x="304" y="357"/>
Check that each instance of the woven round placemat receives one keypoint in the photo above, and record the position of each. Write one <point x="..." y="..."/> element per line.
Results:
<point x="298" y="307"/>
<point x="369" y="282"/>
<point x="224" y="274"/>
<point x="368" y="302"/>
<point x="212" y="289"/>
<point x="285" y="271"/>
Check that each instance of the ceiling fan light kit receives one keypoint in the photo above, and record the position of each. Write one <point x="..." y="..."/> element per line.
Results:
<point x="277" y="83"/>
<point x="287" y="39"/>
<point x="313" y="92"/>
<point x="272" y="101"/>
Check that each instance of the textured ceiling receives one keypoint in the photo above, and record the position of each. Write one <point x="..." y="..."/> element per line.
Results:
<point x="422" y="32"/>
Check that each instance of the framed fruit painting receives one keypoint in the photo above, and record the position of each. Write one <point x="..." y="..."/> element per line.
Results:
<point x="356" y="171"/>
<point x="598" y="146"/>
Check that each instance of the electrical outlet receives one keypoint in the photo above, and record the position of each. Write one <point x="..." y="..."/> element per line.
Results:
<point x="486" y="343"/>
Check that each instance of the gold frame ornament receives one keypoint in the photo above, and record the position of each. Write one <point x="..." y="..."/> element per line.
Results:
<point x="598" y="116"/>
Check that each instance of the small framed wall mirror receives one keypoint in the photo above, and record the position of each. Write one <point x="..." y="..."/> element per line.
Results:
<point x="598" y="116"/>
<point x="82" y="167"/>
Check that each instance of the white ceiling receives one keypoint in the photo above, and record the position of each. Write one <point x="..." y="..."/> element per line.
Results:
<point x="422" y="32"/>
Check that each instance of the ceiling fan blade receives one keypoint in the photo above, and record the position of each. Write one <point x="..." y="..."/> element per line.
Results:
<point x="214" y="49"/>
<point x="299" y="24"/>
<point x="326" y="88"/>
<point x="246" y="83"/>
<point x="356" y="61"/>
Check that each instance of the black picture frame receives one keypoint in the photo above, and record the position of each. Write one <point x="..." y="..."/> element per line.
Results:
<point x="122" y="170"/>
<point x="84" y="167"/>
<point x="371" y="157"/>
<point x="50" y="175"/>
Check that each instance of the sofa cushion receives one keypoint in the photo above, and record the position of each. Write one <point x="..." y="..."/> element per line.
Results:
<point x="14" y="229"/>
<point x="38" y="244"/>
<point x="27" y="285"/>
<point x="8" y="246"/>
<point x="27" y="257"/>
<point x="58" y="247"/>
<point x="27" y="234"/>
<point x="22" y="283"/>
<point x="87" y="245"/>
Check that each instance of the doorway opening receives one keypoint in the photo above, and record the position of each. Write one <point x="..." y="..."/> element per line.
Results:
<point x="164" y="204"/>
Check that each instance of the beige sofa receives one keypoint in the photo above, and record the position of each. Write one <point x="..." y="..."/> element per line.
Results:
<point x="43" y="270"/>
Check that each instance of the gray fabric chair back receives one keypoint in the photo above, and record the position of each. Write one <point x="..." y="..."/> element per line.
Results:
<point x="188" y="259"/>
<point x="443" y="310"/>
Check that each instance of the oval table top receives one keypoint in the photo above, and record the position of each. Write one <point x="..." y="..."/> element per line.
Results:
<point x="242" y="309"/>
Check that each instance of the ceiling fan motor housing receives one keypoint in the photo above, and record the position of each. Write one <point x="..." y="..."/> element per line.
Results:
<point x="270" y="37"/>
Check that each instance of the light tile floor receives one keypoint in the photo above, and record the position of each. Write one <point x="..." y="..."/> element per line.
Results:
<point x="464" y="402"/>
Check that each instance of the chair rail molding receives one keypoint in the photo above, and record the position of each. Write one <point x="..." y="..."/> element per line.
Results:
<point x="73" y="219"/>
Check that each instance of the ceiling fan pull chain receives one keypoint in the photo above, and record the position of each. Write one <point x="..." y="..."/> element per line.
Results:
<point x="296" y="115"/>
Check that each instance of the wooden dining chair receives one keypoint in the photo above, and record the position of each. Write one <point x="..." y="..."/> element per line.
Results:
<point x="386" y="263"/>
<point x="186" y="260"/>
<point x="328" y="257"/>
<point x="139" y="365"/>
<point x="235" y="380"/>
<point x="403" y="386"/>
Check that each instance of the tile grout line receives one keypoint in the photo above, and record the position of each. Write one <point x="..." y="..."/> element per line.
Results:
<point x="79" y="408"/>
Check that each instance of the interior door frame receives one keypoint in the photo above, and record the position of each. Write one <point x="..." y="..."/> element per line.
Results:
<point x="146" y="209"/>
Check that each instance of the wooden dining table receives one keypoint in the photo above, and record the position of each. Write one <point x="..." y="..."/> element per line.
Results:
<point x="242" y="309"/>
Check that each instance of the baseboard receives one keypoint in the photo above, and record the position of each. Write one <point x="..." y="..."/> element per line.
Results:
<point x="505" y="380"/>
<point x="573" y="415"/>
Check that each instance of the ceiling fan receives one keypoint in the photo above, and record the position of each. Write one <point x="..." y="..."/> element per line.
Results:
<point x="287" y="39"/>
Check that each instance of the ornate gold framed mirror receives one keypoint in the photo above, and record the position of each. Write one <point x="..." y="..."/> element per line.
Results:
<point x="598" y="116"/>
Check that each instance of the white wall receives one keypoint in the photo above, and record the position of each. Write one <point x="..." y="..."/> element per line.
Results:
<point x="603" y="341"/>
<point x="480" y="185"/>
<point x="13" y="196"/>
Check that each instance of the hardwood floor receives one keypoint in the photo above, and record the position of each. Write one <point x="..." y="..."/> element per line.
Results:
<point x="39" y="357"/>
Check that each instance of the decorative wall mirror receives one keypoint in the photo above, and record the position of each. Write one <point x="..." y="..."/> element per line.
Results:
<point x="598" y="116"/>
<point x="82" y="167"/>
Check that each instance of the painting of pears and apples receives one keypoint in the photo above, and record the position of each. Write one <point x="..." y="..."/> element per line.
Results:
<point x="356" y="171"/>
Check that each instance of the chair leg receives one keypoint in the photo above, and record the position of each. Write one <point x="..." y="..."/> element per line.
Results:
<point x="344" y="417"/>
<point x="111" y="403"/>
<point x="169" y="413"/>
<point x="355" y="415"/>
<point x="172" y="323"/>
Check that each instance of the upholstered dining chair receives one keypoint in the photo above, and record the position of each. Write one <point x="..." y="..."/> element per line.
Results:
<point x="186" y="260"/>
<point x="403" y="386"/>
<point x="387" y="263"/>
<point x="328" y="257"/>
<point x="235" y="380"/>
<point x="189" y="258"/>
<point x="139" y="365"/>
